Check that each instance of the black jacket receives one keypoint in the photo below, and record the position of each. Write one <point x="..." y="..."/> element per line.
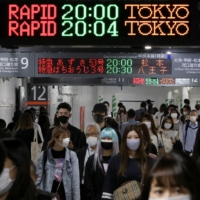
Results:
<point x="81" y="158"/>
<point x="77" y="137"/>
<point x="93" y="180"/>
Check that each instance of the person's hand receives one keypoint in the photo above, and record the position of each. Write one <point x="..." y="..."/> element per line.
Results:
<point x="177" y="137"/>
<point x="70" y="145"/>
<point x="160" y="130"/>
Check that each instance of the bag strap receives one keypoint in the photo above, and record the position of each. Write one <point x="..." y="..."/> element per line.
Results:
<point x="35" y="137"/>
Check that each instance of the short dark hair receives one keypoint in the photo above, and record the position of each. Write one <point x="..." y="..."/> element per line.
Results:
<point x="131" y="113"/>
<point x="193" y="111"/>
<point x="187" y="107"/>
<point x="162" y="107"/>
<point x="5" y="133"/>
<point x="171" y="105"/>
<point x="106" y="102"/>
<point x="143" y="104"/>
<point x="197" y="106"/>
<point x="187" y="101"/>
<point x="2" y="123"/>
<point x="65" y="106"/>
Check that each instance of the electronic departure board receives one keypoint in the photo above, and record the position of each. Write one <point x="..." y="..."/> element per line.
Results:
<point x="99" y="22"/>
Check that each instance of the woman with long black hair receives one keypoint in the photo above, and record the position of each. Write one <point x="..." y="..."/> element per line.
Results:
<point x="15" y="180"/>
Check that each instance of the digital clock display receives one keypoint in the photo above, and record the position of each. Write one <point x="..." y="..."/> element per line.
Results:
<point x="104" y="66"/>
<point x="110" y="21"/>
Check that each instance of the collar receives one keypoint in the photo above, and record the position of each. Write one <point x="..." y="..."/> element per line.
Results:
<point x="90" y="149"/>
<point x="131" y="120"/>
<point x="196" y="123"/>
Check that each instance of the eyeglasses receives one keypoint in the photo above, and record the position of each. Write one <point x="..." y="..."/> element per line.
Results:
<point x="91" y="134"/>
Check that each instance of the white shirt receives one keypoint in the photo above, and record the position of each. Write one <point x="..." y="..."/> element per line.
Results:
<point x="154" y="140"/>
<point x="89" y="152"/>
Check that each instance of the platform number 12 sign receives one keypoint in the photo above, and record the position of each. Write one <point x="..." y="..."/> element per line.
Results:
<point x="38" y="93"/>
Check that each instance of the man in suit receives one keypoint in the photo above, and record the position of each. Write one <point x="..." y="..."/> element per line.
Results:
<point x="131" y="120"/>
<point x="92" y="132"/>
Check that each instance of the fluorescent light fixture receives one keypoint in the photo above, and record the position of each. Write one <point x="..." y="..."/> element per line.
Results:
<point x="169" y="52"/>
<point x="147" y="47"/>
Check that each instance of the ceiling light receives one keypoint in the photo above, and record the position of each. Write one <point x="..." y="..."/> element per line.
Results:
<point x="147" y="47"/>
<point x="169" y="52"/>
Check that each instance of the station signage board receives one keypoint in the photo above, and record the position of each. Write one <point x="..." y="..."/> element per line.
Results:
<point x="99" y="22"/>
<point x="15" y="65"/>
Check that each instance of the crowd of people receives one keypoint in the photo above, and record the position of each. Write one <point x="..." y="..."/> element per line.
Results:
<point x="145" y="154"/>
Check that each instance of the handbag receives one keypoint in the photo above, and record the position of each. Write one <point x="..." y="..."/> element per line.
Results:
<point x="130" y="190"/>
<point x="161" y="148"/>
<point x="35" y="148"/>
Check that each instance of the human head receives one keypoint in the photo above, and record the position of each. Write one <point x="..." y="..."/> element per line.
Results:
<point x="92" y="132"/>
<point x="110" y="135"/>
<point x="112" y="123"/>
<point x="143" y="105"/>
<point x="167" y="120"/>
<point x="17" y="115"/>
<point x="25" y="121"/>
<point x="2" y="123"/>
<point x="17" y="156"/>
<point x="99" y="113"/>
<point x="186" y="110"/>
<point x="187" y="102"/>
<point x="170" y="107"/>
<point x="58" y="135"/>
<point x="131" y="114"/>
<point x="148" y="101"/>
<point x="33" y="111"/>
<point x="149" y="119"/>
<point x="130" y="132"/>
<point x="174" y="114"/>
<point x="42" y="109"/>
<point x="197" y="107"/>
<point x="5" y="133"/>
<point x="193" y="115"/>
<point x="122" y="108"/>
<point x="64" y="112"/>
<point x="155" y="110"/>
<point x="172" y="174"/>
<point x="106" y="103"/>
<point x="162" y="108"/>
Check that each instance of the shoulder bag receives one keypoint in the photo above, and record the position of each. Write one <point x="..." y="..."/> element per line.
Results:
<point x="130" y="190"/>
<point x="35" y="148"/>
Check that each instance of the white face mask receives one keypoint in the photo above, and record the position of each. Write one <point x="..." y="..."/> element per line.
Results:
<point x="185" y="113"/>
<point x="65" y="142"/>
<point x="174" y="115"/>
<point x="92" y="141"/>
<point x="148" y="124"/>
<point x="5" y="181"/>
<point x="181" y="197"/>
<point x="167" y="125"/>
<point x="193" y="118"/>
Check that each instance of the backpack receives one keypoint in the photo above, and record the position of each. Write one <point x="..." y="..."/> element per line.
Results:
<point x="186" y="129"/>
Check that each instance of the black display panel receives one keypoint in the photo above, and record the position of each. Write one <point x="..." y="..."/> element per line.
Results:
<point x="99" y="22"/>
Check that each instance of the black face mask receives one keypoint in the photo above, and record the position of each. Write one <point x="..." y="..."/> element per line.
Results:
<point x="98" y="118"/>
<point x="107" y="145"/>
<point x="63" y="119"/>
